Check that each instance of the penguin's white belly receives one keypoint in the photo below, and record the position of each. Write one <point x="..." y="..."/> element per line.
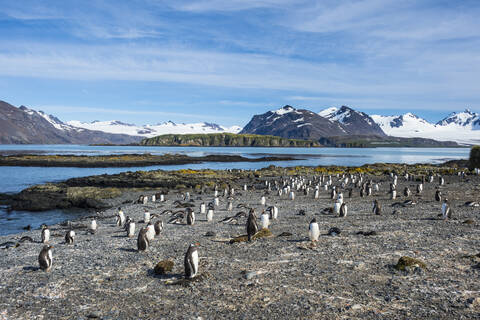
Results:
<point x="210" y="215"/>
<point x="265" y="221"/>
<point x="195" y="263"/>
<point x="314" y="232"/>
<point x="47" y="235"/>
<point x="336" y="207"/>
<point x="275" y="213"/>
<point x="146" y="217"/>
<point x="50" y="257"/>
<point x="150" y="233"/>
<point x="131" y="229"/>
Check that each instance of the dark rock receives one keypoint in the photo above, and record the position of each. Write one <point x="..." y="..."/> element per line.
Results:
<point x="163" y="267"/>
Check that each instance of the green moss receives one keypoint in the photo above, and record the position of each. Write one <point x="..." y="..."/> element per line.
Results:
<point x="264" y="233"/>
<point x="163" y="267"/>
<point x="407" y="262"/>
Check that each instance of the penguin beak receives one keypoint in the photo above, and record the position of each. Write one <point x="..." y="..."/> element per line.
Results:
<point x="197" y="244"/>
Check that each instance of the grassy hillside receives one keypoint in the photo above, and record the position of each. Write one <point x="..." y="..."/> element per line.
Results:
<point x="474" y="161"/>
<point x="377" y="141"/>
<point x="226" y="140"/>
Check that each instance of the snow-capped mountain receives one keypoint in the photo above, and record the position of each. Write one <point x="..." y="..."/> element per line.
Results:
<point x="289" y="122"/>
<point x="27" y="126"/>
<point x="462" y="127"/>
<point x="149" y="131"/>
<point x="357" y="122"/>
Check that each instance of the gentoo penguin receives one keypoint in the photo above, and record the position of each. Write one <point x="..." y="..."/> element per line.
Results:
<point x="438" y="195"/>
<point x="340" y="197"/>
<point x="229" y="206"/>
<point x="252" y="227"/>
<point x="264" y="218"/>
<point x="120" y="218"/>
<point x="216" y="201"/>
<point x="336" y="207"/>
<point x="376" y="208"/>
<point x="210" y="214"/>
<point x="316" y="195"/>
<point x="69" y="236"/>
<point x="441" y="180"/>
<point x="343" y="210"/>
<point x="150" y="231"/>
<point x="203" y="208"/>
<point x="273" y="210"/>
<point x="45" y="258"/>
<point x="446" y="211"/>
<point x="45" y="233"/>
<point x="263" y="200"/>
<point x="406" y="192"/>
<point x="393" y="194"/>
<point x="350" y="193"/>
<point x="292" y="195"/>
<point x="419" y="188"/>
<point x="154" y="198"/>
<point x="191" y="261"/>
<point x="146" y="216"/>
<point x="191" y="216"/>
<point x="142" y="240"/>
<point x="93" y="226"/>
<point x="313" y="230"/>
<point x="158" y="227"/>
<point x="130" y="228"/>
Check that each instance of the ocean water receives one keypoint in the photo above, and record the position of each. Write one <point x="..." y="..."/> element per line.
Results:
<point x="15" y="179"/>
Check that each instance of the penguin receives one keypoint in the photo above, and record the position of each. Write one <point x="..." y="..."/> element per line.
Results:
<point x="376" y="208"/>
<point x="191" y="216"/>
<point x="216" y="201"/>
<point x="154" y="198"/>
<point x="229" y="206"/>
<point x="316" y="195"/>
<point x="142" y="240"/>
<point x="130" y="228"/>
<point x="441" y="181"/>
<point x="209" y="214"/>
<point x="150" y="231"/>
<point x="93" y="226"/>
<point x="438" y="195"/>
<point x="158" y="227"/>
<point x="446" y="211"/>
<point x="336" y="207"/>
<point x="343" y="210"/>
<point x="340" y="197"/>
<point x="333" y="193"/>
<point x="146" y="216"/>
<point x="69" y="236"/>
<point x="45" y="258"/>
<point x="393" y="194"/>
<point x="252" y="227"/>
<point x="407" y="192"/>
<point x="313" y="230"/>
<point x="45" y="233"/>
<point x="264" y="218"/>
<point x="419" y="188"/>
<point x="191" y="261"/>
<point x="350" y="193"/>
<point x="120" y="218"/>
<point x="263" y="200"/>
<point x="292" y="195"/>
<point x="203" y="208"/>
<point x="273" y="210"/>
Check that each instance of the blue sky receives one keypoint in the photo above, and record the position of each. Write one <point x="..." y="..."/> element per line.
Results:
<point x="148" y="61"/>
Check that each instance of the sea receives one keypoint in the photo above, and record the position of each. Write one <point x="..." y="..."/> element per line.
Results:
<point x="14" y="179"/>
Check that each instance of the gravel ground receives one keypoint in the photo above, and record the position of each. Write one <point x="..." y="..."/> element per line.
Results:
<point x="345" y="276"/>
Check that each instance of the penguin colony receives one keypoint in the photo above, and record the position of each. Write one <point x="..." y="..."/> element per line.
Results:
<point x="313" y="187"/>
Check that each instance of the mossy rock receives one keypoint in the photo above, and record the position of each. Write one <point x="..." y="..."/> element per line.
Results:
<point x="264" y="233"/>
<point x="163" y="267"/>
<point x="408" y="262"/>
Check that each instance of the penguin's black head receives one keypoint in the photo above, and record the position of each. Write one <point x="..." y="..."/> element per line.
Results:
<point x="313" y="220"/>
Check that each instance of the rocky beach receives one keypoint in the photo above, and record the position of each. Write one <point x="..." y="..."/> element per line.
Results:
<point x="352" y="272"/>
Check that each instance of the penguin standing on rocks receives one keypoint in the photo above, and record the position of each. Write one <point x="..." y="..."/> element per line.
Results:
<point x="45" y="258"/>
<point x="142" y="240"/>
<point x="69" y="236"/>
<point x="313" y="230"/>
<point x="446" y="211"/>
<point x="158" y="227"/>
<point x="203" y="208"/>
<point x="190" y="216"/>
<point x="419" y="188"/>
<point x="264" y="218"/>
<point x="146" y="216"/>
<point x="273" y="210"/>
<point x="130" y="228"/>
<point x="438" y="195"/>
<point x="377" y="209"/>
<point x="252" y="227"/>
<point x="263" y="200"/>
<point x="210" y="214"/>
<point x="406" y="192"/>
<point x="45" y="233"/>
<point x="150" y="231"/>
<point x="343" y="210"/>
<point x="120" y="218"/>
<point x="191" y="261"/>
<point x="229" y="206"/>
<point x="93" y="226"/>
